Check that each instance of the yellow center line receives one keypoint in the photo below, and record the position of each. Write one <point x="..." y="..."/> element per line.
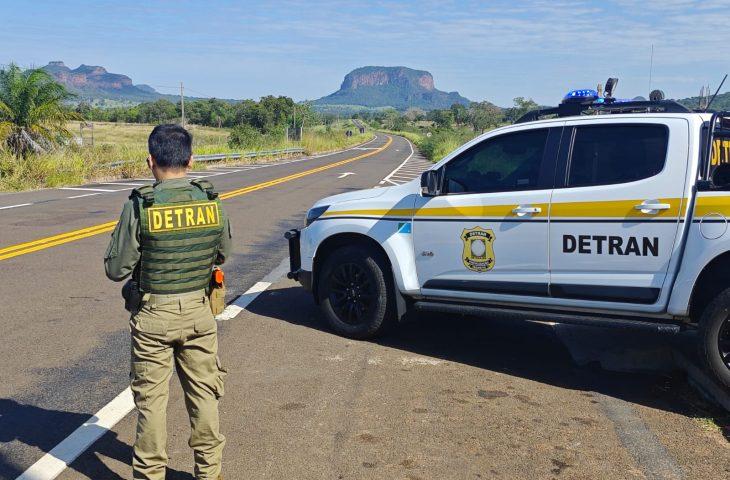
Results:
<point x="52" y="241"/>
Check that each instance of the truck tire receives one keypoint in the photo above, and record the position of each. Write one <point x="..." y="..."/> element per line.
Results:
<point x="714" y="337"/>
<point x="355" y="286"/>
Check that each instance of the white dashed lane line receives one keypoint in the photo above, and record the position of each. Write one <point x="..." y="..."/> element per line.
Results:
<point x="123" y="184"/>
<point x="15" y="206"/>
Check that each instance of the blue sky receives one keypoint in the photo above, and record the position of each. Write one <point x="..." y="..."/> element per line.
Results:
<point x="489" y="50"/>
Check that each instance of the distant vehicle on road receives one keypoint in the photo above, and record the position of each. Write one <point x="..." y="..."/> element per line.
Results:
<point x="599" y="212"/>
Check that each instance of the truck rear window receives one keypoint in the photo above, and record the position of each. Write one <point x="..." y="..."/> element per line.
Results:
<point x="610" y="154"/>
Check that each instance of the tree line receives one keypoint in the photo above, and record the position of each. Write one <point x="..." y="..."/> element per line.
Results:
<point x="264" y="115"/>
<point x="478" y="116"/>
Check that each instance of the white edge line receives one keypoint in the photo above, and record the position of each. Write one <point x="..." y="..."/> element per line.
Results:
<point x="53" y="463"/>
<point x="16" y="206"/>
<point x="387" y="178"/>
<point x="243" y="301"/>
<point x="85" y="195"/>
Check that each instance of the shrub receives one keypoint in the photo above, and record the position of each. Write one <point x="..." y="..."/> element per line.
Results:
<point x="244" y="136"/>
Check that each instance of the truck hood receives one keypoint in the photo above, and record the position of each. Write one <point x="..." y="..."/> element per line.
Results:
<point x="350" y="196"/>
<point x="383" y="194"/>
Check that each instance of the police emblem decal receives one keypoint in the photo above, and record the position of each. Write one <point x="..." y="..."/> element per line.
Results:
<point x="478" y="253"/>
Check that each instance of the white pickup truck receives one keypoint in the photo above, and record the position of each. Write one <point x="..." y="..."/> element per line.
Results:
<point x="615" y="218"/>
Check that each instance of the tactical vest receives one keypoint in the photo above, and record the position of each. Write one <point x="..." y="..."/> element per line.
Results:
<point x="180" y="231"/>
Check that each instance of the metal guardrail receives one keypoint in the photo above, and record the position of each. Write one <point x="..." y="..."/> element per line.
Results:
<point x="233" y="156"/>
<point x="215" y="157"/>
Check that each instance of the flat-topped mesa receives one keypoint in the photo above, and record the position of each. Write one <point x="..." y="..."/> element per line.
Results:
<point x="374" y="76"/>
<point x="397" y="87"/>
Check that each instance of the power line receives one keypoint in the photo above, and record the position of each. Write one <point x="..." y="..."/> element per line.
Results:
<point x="201" y="93"/>
<point x="176" y="88"/>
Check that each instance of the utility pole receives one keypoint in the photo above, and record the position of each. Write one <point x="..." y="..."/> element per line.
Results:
<point x="295" y="121"/>
<point x="182" y="105"/>
<point x="91" y="119"/>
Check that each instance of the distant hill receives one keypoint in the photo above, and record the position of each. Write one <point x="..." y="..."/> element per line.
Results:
<point x="396" y="87"/>
<point x="93" y="83"/>
<point x="721" y="102"/>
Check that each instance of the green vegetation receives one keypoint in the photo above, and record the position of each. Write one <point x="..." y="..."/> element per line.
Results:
<point x="113" y="142"/>
<point x="438" y="132"/>
<point x="120" y="134"/>
<point x="721" y="102"/>
<point x="32" y="114"/>
<point x="263" y="115"/>
<point x="116" y="142"/>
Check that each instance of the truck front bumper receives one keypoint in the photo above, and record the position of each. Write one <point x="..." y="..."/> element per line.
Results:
<point x="304" y="277"/>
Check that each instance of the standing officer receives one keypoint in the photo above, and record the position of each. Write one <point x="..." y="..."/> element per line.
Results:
<point x="168" y="238"/>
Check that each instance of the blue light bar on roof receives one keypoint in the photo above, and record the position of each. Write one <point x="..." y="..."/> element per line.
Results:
<point x="580" y="95"/>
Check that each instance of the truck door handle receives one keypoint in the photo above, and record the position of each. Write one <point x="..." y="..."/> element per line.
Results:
<point x="650" y="206"/>
<point x="523" y="210"/>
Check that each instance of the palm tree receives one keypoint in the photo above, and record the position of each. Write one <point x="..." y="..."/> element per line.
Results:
<point x="33" y="117"/>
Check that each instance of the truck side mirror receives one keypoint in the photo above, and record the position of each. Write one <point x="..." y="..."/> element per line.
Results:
<point x="431" y="183"/>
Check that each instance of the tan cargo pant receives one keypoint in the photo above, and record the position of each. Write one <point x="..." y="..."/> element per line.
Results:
<point x="177" y="328"/>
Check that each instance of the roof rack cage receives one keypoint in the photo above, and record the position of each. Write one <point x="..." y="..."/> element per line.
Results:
<point x="722" y="118"/>
<point x="588" y="108"/>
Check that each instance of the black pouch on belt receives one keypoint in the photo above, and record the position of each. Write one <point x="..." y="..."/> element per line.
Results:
<point x="132" y="296"/>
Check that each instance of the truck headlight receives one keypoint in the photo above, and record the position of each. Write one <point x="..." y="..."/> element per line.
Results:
<point x="314" y="213"/>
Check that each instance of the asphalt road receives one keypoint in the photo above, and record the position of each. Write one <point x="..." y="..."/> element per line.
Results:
<point x="442" y="397"/>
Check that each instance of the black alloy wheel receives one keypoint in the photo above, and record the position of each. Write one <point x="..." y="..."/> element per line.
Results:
<point x="355" y="290"/>
<point x="714" y="337"/>
<point x="351" y="293"/>
<point x="723" y="342"/>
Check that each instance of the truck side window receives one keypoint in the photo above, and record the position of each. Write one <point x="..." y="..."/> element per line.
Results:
<point x="499" y="164"/>
<point x="610" y="154"/>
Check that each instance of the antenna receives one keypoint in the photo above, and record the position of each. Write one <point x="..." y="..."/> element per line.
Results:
<point x="716" y="92"/>
<point x="651" y="65"/>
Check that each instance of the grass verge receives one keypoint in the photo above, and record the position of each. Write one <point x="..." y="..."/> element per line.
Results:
<point x="113" y="143"/>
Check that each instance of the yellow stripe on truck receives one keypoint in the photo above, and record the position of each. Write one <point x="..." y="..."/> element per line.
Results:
<point x="500" y="211"/>
<point x="706" y="204"/>
<point x="612" y="209"/>
<point x="602" y="209"/>
<point x="48" y="242"/>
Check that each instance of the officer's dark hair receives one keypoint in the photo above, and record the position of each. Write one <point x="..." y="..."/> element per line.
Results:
<point x="171" y="146"/>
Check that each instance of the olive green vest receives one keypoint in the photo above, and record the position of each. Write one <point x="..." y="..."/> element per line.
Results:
<point x="180" y="231"/>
